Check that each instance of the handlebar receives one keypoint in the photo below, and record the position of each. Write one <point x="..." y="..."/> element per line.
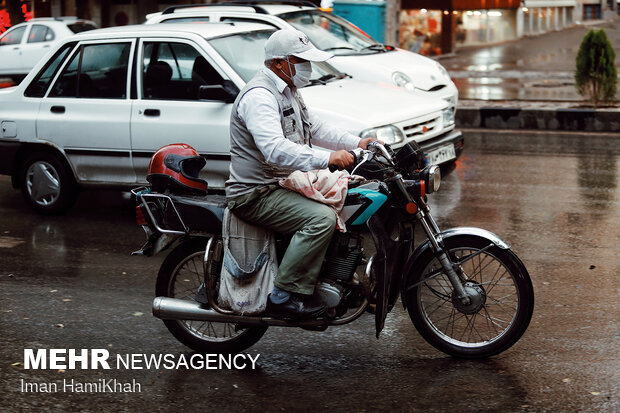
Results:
<point x="356" y="154"/>
<point x="362" y="155"/>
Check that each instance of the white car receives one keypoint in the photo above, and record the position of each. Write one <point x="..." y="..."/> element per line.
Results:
<point x="95" y="111"/>
<point x="24" y="44"/>
<point x="356" y="53"/>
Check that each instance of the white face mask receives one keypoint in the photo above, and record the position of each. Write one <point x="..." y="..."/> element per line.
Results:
<point x="302" y="73"/>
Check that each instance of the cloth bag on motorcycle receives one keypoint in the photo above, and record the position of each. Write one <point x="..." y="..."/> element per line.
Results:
<point x="249" y="267"/>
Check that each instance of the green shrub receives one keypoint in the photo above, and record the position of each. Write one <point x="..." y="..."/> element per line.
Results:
<point x="596" y="77"/>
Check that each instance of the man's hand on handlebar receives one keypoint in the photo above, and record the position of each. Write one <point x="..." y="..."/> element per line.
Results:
<point x="340" y="160"/>
<point x="364" y="143"/>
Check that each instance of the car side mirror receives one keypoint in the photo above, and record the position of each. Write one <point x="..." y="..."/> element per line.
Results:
<point x="224" y="92"/>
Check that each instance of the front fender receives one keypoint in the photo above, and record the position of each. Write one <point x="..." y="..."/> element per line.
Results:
<point x="450" y="233"/>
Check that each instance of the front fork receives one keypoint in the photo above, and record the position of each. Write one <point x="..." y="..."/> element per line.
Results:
<point x="433" y="233"/>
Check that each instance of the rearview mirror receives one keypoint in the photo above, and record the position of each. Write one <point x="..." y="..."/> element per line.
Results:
<point x="225" y="92"/>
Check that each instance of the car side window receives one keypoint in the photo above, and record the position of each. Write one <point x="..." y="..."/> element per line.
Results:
<point x="41" y="82"/>
<point x="95" y="71"/>
<point x="40" y="33"/>
<point x="175" y="71"/>
<point x="13" y="37"/>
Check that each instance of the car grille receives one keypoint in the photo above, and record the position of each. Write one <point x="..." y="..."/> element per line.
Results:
<point x="419" y="129"/>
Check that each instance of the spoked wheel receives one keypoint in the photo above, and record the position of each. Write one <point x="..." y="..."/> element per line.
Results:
<point x="181" y="276"/>
<point x="501" y="306"/>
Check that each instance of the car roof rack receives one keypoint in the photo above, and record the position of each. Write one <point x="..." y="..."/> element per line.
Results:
<point x="255" y="4"/>
<point x="60" y="19"/>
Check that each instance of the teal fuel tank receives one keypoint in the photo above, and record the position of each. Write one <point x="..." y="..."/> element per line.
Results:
<point x="362" y="203"/>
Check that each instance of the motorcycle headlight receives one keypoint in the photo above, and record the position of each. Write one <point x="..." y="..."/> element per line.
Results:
<point x="424" y="182"/>
<point x="389" y="134"/>
<point x="448" y="116"/>
<point x="402" y="80"/>
<point x="433" y="179"/>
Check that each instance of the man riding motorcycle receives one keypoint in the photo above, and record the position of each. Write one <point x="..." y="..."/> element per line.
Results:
<point x="271" y="135"/>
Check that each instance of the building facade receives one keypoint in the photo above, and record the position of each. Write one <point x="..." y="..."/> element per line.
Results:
<point x="435" y="27"/>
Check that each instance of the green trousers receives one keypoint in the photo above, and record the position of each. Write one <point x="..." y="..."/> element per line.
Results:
<point x="288" y="212"/>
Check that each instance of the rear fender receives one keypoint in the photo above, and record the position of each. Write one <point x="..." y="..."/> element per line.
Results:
<point x="446" y="235"/>
<point x="156" y="242"/>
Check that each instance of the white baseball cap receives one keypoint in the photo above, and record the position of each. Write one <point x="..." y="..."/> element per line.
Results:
<point x="291" y="42"/>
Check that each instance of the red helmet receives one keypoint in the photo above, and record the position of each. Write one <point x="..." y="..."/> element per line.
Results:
<point x="176" y="167"/>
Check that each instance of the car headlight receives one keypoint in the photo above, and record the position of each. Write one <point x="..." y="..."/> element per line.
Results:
<point x="389" y="134"/>
<point x="402" y="80"/>
<point x="451" y="101"/>
<point x="448" y="116"/>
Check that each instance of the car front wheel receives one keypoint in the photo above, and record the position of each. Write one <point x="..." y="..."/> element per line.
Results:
<point x="47" y="184"/>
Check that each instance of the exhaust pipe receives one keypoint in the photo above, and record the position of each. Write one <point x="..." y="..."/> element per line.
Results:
<point x="167" y="308"/>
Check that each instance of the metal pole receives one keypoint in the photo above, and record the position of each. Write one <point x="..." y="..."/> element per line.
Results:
<point x="392" y="23"/>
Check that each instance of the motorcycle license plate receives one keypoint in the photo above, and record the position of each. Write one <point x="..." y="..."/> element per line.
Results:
<point x="441" y="155"/>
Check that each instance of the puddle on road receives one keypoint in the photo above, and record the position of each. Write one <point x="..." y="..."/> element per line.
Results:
<point x="10" y="242"/>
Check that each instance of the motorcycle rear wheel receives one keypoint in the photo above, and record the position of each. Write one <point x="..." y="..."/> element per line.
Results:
<point x="180" y="276"/>
<point x="502" y="309"/>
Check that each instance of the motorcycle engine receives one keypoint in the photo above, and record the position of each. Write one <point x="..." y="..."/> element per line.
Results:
<point x="343" y="256"/>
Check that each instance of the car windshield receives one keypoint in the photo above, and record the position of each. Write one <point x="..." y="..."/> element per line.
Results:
<point x="332" y="33"/>
<point x="241" y="51"/>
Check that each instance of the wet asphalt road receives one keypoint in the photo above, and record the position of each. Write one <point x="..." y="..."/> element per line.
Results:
<point x="69" y="282"/>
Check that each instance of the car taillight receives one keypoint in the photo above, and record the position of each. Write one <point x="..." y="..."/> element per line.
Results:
<point x="140" y="219"/>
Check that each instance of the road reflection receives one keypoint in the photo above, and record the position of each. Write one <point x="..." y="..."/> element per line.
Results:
<point x="496" y="88"/>
<point x="598" y="181"/>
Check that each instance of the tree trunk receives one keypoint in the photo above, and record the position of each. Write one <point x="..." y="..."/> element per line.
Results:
<point x="14" y="8"/>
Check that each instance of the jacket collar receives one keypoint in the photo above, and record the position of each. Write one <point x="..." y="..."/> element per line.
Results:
<point x="280" y="84"/>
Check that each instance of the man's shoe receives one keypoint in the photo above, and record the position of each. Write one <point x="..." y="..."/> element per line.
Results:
<point x="295" y="308"/>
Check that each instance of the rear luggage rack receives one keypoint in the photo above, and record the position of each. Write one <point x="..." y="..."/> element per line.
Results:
<point x="162" y="204"/>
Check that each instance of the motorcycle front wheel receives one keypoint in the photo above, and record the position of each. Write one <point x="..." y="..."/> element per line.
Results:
<point x="501" y="306"/>
<point x="181" y="276"/>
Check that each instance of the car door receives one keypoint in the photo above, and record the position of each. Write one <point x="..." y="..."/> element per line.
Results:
<point x="10" y="50"/>
<point x="86" y="112"/>
<point x="167" y="110"/>
<point x="36" y="45"/>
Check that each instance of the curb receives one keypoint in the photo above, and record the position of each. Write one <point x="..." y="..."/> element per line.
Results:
<point x="560" y="119"/>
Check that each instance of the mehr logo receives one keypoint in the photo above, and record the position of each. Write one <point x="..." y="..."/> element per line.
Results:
<point x="57" y="359"/>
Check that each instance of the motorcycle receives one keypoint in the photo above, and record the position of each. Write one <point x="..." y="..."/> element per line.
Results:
<point x="466" y="292"/>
